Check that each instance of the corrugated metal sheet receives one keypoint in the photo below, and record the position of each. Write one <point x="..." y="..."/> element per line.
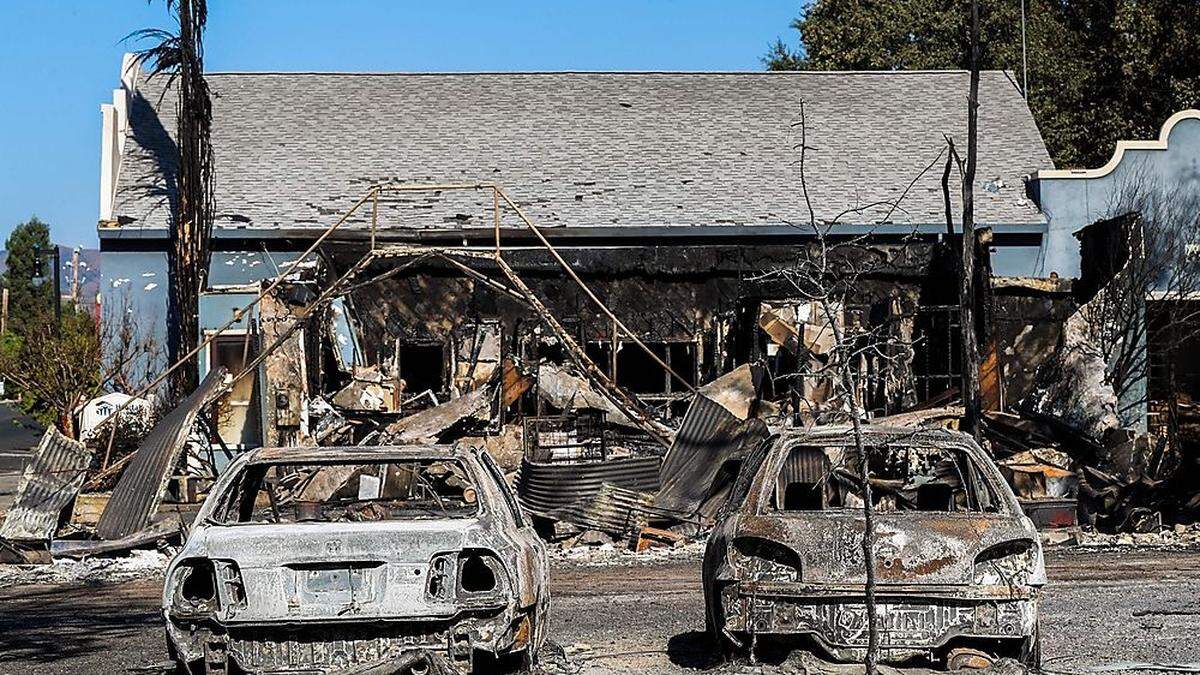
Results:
<point x="138" y="493"/>
<point x="614" y="510"/>
<point x="805" y="465"/>
<point x="709" y="436"/>
<point x="547" y="489"/>
<point x="51" y="480"/>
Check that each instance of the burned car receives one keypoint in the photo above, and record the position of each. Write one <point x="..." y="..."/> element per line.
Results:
<point x="958" y="567"/>
<point x="358" y="560"/>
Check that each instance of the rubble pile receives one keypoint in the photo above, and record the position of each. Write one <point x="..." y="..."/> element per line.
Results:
<point x="610" y="434"/>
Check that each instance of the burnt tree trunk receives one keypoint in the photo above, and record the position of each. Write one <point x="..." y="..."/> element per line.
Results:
<point x="966" y="294"/>
<point x="191" y="229"/>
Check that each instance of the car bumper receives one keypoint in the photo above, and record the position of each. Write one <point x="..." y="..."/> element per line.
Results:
<point x="912" y="621"/>
<point x="322" y="648"/>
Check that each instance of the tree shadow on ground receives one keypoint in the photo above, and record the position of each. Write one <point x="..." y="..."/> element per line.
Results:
<point x="697" y="650"/>
<point x="44" y="626"/>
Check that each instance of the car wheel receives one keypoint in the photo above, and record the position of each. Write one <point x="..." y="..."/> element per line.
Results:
<point x="1031" y="651"/>
<point x="181" y="667"/>
<point x="714" y="618"/>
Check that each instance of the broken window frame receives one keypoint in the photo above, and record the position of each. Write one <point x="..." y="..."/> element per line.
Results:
<point x="979" y="484"/>
<point x="927" y="377"/>
<point x="232" y="501"/>
<point x="248" y="340"/>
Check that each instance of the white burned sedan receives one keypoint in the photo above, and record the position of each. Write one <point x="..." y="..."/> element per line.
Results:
<point x="358" y="560"/>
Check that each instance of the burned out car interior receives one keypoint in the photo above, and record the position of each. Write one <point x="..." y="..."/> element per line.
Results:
<point x="401" y="559"/>
<point x="332" y="492"/>
<point x="957" y="567"/>
<point x="903" y="478"/>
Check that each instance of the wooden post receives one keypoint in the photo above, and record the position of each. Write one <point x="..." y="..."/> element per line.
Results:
<point x="4" y="311"/>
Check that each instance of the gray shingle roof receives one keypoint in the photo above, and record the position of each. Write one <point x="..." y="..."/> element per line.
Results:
<point x="586" y="149"/>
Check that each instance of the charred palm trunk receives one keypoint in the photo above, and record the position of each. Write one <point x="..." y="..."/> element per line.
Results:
<point x="967" y="293"/>
<point x="191" y="230"/>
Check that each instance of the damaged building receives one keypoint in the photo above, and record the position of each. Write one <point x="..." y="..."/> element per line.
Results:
<point x="552" y="265"/>
<point x="671" y="197"/>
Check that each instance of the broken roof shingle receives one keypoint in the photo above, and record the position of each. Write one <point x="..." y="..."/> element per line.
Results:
<point x="585" y="149"/>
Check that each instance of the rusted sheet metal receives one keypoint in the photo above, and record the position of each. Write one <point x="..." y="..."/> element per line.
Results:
<point x="613" y="510"/>
<point x="546" y="489"/>
<point x="709" y="437"/>
<point x="138" y="493"/>
<point x="50" y="482"/>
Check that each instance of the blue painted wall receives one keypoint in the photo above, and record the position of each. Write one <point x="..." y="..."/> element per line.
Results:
<point x="1071" y="203"/>
<point x="1140" y="173"/>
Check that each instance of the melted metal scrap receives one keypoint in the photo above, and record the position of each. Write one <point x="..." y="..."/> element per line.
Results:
<point x="51" y="480"/>
<point x="428" y="425"/>
<point x="955" y="562"/>
<point x="716" y="429"/>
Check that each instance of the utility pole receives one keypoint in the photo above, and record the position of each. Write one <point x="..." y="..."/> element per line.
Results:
<point x="4" y="311"/>
<point x="57" y="290"/>
<point x="39" y="277"/>
<point x="75" y="277"/>
<point x="966" y="289"/>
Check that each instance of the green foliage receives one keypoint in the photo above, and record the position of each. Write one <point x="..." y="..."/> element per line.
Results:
<point x="1099" y="70"/>
<point x="55" y="370"/>
<point x="27" y="300"/>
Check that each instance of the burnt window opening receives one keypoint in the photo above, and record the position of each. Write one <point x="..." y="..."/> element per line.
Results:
<point x="1173" y="349"/>
<point x="422" y="366"/>
<point x="801" y="484"/>
<point x="937" y="351"/>
<point x="638" y="372"/>
<point x="903" y="478"/>
<point x="601" y="353"/>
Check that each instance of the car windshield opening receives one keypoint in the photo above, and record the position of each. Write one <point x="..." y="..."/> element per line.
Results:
<point x="350" y="492"/>
<point x="903" y="478"/>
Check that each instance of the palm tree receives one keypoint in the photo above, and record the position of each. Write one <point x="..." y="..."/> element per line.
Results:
<point x="181" y="58"/>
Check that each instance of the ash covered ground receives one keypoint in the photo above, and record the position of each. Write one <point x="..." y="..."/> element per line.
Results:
<point x="1118" y="606"/>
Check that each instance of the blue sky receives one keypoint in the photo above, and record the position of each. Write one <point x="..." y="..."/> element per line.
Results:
<point x="59" y="60"/>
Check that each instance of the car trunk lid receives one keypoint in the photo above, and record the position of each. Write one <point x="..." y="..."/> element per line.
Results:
<point x="338" y="571"/>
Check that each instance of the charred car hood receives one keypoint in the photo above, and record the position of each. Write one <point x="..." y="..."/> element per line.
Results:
<point x="338" y="571"/>
<point x="911" y="548"/>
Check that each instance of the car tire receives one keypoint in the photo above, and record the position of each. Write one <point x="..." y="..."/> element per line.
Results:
<point x="722" y="646"/>
<point x="1031" y="650"/>
<point x="181" y="667"/>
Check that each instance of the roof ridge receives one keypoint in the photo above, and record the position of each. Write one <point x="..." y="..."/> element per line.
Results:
<point x="468" y="73"/>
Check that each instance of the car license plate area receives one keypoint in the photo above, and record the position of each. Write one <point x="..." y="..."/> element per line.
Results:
<point x="345" y="585"/>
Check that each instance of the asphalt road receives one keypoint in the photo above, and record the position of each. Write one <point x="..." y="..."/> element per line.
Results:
<point x="1102" y="609"/>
